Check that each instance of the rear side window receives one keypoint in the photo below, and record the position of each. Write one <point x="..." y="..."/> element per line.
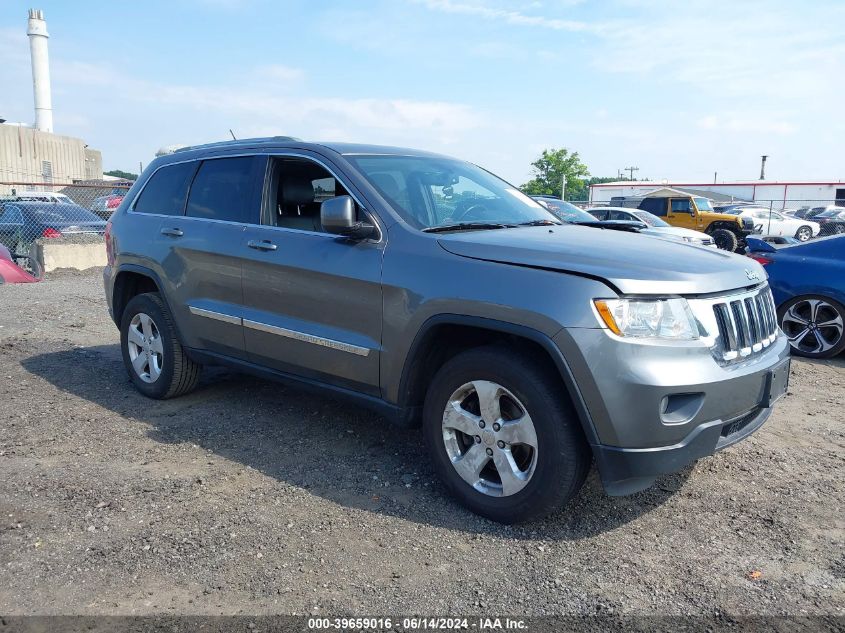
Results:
<point x="223" y="190"/>
<point x="655" y="206"/>
<point x="166" y="190"/>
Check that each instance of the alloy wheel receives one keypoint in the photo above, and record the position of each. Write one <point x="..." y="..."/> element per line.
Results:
<point x="803" y="234"/>
<point x="813" y="326"/>
<point x="146" y="351"/>
<point x="490" y="438"/>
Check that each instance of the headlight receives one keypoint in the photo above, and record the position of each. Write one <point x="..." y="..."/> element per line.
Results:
<point x="648" y="318"/>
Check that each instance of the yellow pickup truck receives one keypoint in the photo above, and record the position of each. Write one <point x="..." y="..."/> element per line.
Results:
<point x="687" y="211"/>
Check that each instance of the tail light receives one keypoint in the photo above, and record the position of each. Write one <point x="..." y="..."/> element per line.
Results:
<point x="51" y="233"/>
<point x="107" y="236"/>
<point x="113" y="202"/>
<point x="761" y="260"/>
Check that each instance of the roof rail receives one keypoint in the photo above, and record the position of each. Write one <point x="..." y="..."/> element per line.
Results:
<point x="242" y="141"/>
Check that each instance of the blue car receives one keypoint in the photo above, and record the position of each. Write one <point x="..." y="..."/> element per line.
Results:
<point x="808" y="284"/>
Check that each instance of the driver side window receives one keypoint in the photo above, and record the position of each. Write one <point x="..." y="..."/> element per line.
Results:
<point x="681" y="205"/>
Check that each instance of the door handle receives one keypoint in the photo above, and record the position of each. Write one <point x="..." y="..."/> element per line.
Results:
<point x="172" y="232"/>
<point x="263" y="245"/>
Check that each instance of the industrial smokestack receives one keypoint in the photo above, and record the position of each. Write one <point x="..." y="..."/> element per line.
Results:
<point x="763" y="167"/>
<point x="37" y="32"/>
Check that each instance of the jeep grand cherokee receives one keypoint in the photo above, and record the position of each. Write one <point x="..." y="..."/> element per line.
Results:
<point x="441" y="296"/>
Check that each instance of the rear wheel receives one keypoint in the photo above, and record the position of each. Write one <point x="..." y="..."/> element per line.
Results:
<point x="803" y="234"/>
<point x="502" y="438"/>
<point x="725" y="239"/>
<point x="153" y="356"/>
<point x="815" y="326"/>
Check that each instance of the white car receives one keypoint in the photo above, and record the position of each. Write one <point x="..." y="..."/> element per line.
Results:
<point x="43" y="196"/>
<point x="656" y="226"/>
<point x="775" y="223"/>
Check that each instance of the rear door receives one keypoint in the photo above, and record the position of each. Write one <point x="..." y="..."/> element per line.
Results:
<point x="206" y="252"/>
<point x="312" y="300"/>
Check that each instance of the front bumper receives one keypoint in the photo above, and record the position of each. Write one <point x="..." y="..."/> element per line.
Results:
<point x="625" y="471"/>
<point x="655" y="409"/>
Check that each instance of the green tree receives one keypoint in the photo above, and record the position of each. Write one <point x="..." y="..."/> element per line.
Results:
<point x="118" y="173"/>
<point x="548" y="172"/>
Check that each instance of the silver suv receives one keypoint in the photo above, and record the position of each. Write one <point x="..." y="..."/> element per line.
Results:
<point x="439" y="295"/>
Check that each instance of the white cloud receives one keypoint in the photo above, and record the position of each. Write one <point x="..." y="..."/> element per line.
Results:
<point x="508" y="16"/>
<point x="280" y="72"/>
<point x="762" y="123"/>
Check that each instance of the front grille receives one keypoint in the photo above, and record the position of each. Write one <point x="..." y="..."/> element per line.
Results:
<point x="747" y="324"/>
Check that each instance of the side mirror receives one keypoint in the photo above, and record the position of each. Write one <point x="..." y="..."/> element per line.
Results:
<point x="337" y="215"/>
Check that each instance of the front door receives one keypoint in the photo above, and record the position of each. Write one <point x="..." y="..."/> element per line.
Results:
<point x="312" y="300"/>
<point x="682" y="213"/>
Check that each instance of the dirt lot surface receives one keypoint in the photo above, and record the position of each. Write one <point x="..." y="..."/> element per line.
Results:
<point x="250" y="497"/>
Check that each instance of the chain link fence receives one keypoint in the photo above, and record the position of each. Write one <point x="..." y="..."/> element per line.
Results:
<point x="32" y="211"/>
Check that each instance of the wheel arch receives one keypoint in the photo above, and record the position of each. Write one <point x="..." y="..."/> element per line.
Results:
<point x="443" y="336"/>
<point x="130" y="281"/>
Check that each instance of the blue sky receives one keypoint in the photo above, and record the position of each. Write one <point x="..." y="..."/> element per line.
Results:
<point x="680" y="89"/>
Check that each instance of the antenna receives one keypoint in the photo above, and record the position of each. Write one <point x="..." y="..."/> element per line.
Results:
<point x="234" y="138"/>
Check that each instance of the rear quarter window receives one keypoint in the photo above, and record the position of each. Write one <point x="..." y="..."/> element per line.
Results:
<point x="167" y="189"/>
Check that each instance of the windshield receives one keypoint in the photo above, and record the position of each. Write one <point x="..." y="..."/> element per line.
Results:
<point x="651" y="220"/>
<point x="565" y="211"/>
<point x="828" y="214"/>
<point x="432" y="192"/>
<point x="703" y="204"/>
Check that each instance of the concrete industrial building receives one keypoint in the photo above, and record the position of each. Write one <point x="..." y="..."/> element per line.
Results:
<point x="35" y="155"/>
<point x="774" y="193"/>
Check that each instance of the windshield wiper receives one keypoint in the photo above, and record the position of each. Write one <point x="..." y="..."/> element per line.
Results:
<point x="540" y="223"/>
<point x="467" y="226"/>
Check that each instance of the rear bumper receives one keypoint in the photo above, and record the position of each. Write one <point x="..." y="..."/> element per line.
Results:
<point x="625" y="471"/>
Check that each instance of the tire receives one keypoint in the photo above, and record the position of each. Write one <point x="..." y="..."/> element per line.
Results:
<point x="550" y="474"/>
<point x="725" y="239"/>
<point x="803" y="233"/>
<point x="166" y="372"/>
<point x="797" y="318"/>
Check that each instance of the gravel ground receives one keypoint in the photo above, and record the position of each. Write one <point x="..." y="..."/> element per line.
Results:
<point x="250" y="497"/>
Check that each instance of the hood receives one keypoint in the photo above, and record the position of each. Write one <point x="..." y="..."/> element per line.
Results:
<point x="634" y="264"/>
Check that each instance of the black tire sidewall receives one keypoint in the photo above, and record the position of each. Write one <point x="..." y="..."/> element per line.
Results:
<point x="729" y="237"/>
<point x="563" y="456"/>
<point x="148" y="304"/>
<point x="836" y="349"/>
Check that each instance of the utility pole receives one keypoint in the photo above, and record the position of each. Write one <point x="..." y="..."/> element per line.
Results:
<point x="619" y="173"/>
<point x="632" y="170"/>
<point x="763" y="167"/>
<point x="562" y="186"/>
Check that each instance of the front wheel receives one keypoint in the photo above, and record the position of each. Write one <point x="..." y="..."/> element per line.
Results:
<point x="725" y="239"/>
<point x="503" y="437"/>
<point x="803" y="234"/>
<point x="153" y="356"/>
<point x="814" y="324"/>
